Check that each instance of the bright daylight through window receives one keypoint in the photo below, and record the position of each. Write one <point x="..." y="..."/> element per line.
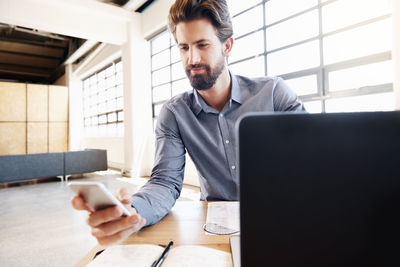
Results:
<point x="103" y="102"/>
<point x="335" y="54"/>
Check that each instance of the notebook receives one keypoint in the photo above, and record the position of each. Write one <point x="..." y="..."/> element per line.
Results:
<point x="144" y="255"/>
<point x="319" y="189"/>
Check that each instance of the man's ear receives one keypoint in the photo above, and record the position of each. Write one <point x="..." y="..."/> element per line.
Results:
<point x="228" y="44"/>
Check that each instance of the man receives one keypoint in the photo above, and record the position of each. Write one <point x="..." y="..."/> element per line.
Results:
<point x="201" y="121"/>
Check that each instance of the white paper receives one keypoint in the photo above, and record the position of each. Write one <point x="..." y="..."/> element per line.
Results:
<point x="125" y="255"/>
<point x="224" y="214"/>
<point x="197" y="256"/>
<point x="235" y="250"/>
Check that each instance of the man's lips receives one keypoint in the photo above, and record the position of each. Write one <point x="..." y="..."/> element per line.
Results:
<point x="197" y="70"/>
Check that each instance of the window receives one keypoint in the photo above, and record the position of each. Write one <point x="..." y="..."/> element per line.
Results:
<point x="103" y="103"/>
<point x="167" y="75"/>
<point x="335" y="54"/>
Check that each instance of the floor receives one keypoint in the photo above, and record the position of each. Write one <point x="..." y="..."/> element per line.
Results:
<point x="38" y="226"/>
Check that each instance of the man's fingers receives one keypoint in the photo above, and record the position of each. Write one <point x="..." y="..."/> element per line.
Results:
<point x="142" y="223"/>
<point x="123" y="195"/>
<point x="108" y="225"/>
<point x="105" y="240"/>
<point x="115" y="238"/>
<point x="125" y="201"/>
<point x="104" y="216"/>
<point x="79" y="204"/>
<point x="133" y="222"/>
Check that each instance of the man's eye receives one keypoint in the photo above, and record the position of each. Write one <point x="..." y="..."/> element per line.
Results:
<point x="184" y="48"/>
<point x="203" y="45"/>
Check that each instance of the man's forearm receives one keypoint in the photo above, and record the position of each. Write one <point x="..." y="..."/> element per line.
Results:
<point x="154" y="201"/>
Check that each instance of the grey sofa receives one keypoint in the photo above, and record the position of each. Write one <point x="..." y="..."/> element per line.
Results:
<point x="15" y="168"/>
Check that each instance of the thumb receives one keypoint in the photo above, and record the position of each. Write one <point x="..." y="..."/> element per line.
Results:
<point x="122" y="195"/>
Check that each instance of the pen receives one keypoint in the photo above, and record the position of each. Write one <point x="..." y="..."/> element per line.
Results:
<point x="158" y="262"/>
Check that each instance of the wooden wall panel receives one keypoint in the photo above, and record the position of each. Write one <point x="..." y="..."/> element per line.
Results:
<point x="25" y="114"/>
<point x="12" y="138"/>
<point x="37" y="137"/>
<point x="12" y="102"/>
<point x="58" y="136"/>
<point x="37" y="103"/>
<point x="58" y="103"/>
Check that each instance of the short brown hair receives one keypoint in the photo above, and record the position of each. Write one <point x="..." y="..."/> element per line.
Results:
<point x="214" y="10"/>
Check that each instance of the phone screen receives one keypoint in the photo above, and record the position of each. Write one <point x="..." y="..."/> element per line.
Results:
<point x="97" y="196"/>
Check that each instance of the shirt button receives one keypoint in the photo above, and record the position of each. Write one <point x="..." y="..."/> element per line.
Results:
<point x="233" y="167"/>
<point x="227" y="141"/>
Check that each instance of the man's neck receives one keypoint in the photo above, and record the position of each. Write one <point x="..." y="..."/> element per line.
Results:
<point x="219" y="94"/>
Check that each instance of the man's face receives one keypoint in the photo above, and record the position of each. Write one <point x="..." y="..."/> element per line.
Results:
<point x="201" y="51"/>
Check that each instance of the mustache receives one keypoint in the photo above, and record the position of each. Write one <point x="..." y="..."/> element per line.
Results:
<point x="197" y="66"/>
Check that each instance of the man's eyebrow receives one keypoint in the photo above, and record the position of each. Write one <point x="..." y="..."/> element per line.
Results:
<point x="201" y="41"/>
<point x="196" y="42"/>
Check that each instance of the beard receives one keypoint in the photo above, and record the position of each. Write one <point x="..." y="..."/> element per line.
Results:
<point x="207" y="80"/>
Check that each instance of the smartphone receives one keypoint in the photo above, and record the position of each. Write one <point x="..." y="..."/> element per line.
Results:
<point x="97" y="196"/>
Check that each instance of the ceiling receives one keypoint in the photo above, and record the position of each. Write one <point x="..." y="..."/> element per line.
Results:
<point x="34" y="56"/>
<point x="28" y="55"/>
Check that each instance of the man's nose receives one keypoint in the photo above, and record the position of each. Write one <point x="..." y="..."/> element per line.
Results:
<point x="194" y="56"/>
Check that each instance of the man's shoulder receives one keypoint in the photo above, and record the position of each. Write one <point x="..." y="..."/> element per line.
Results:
<point x="257" y="83"/>
<point x="257" y="80"/>
<point x="175" y="109"/>
<point x="180" y="101"/>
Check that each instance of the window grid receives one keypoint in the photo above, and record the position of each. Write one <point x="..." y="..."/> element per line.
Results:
<point x="169" y="46"/>
<point x="103" y="109"/>
<point x="321" y="71"/>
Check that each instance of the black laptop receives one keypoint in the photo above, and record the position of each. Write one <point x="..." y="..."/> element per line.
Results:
<point x="320" y="189"/>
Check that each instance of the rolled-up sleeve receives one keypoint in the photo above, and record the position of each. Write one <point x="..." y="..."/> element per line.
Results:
<point x="154" y="200"/>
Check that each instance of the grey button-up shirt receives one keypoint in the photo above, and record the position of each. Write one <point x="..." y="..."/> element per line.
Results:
<point x="187" y="123"/>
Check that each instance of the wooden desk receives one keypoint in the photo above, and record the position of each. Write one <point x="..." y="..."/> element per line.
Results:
<point x="183" y="225"/>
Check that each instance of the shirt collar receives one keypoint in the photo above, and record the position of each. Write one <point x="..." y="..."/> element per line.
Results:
<point x="236" y="93"/>
<point x="199" y="103"/>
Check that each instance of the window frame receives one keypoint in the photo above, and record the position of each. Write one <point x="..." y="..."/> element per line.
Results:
<point x="322" y="71"/>
<point x="116" y="112"/>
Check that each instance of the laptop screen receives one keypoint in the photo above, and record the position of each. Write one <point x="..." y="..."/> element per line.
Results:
<point x="320" y="189"/>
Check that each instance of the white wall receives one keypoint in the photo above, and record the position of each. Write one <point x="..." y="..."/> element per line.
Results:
<point x="155" y="17"/>
<point x="83" y="19"/>
<point x="137" y="95"/>
<point x="102" y="56"/>
<point x="75" y="109"/>
<point x="113" y="145"/>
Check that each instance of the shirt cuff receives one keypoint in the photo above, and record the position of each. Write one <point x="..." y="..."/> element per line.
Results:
<point x="144" y="209"/>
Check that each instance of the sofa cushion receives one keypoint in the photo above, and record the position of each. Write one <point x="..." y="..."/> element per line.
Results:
<point x="30" y="166"/>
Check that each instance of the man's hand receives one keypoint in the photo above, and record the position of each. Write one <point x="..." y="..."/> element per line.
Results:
<point x="108" y="226"/>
